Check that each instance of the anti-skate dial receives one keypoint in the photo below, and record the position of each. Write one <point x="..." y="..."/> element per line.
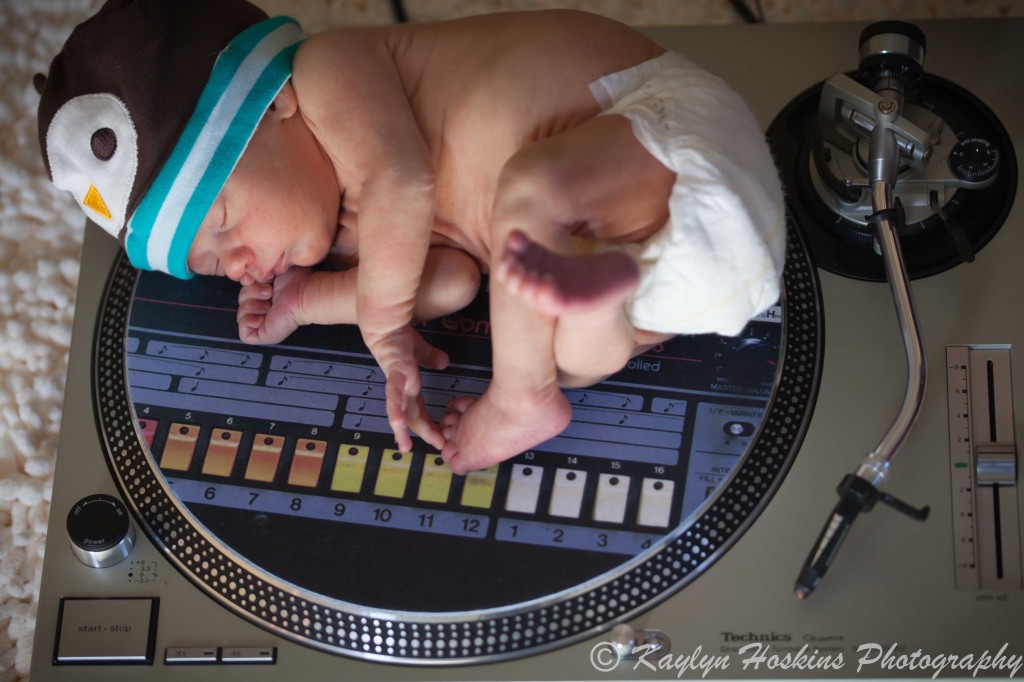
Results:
<point x="974" y="159"/>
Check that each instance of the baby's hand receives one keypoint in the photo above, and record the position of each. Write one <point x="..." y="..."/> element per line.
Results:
<point x="268" y="313"/>
<point x="401" y="354"/>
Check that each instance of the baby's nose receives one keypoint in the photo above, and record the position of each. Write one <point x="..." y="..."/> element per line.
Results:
<point x="236" y="263"/>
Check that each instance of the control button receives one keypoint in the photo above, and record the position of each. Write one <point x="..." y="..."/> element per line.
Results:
<point x="175" y="655"/>
<point x="478" y="488"/>
<point x="221" y="453"/>
<point x="655" y="502"/>
<point x="106" y="630"/>
<point x="264" y="458"/>
<point x="612" y="496"/>
<point x="180" y="447"/>
<point x="100" y="531"/>
<point x="567" y="493"/>
<point x="307" y="462"/>
<point x="738" y="429"/>
<point x="148" y="428"/>
<point x="248" y="654"/>
<point x="523" y="489"/>
<point x="435" y="481"/>
<point x="350" y="467"/>
<point x="394" y="473"/>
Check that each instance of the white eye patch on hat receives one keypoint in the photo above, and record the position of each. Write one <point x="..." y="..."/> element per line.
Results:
<point x="92" y="147"/>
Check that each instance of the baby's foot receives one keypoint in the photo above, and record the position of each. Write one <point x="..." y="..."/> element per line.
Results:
<point x="483" y="432"/>
<point x="557" y="285"/>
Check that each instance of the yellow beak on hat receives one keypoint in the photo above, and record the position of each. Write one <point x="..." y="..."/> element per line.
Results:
<point x="94" y="200"/>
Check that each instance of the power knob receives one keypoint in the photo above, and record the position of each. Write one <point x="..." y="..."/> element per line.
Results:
<point x="100" y="530"/>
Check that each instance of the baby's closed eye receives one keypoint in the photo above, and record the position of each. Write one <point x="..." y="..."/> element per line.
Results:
<point x="222" y="220"/>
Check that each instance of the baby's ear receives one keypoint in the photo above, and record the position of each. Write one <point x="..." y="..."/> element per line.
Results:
<point x="285" y="104"/>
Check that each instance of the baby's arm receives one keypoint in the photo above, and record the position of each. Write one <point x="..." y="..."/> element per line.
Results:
<point x="268" y="313"/>
<point x="351" y="95"/>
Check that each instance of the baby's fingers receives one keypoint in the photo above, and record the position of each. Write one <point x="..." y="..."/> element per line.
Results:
<point x="250" y="327"/>
<point x="254" y="299"/>
<point x="251" y="308"/>
<point x="423" y="425"/>
<point x="256" y="291"/>
<point x="406" y="411"/>
<point x="395" y="404"/>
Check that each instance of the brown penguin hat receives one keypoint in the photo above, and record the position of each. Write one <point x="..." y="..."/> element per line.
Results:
<point x="149" y="106"/>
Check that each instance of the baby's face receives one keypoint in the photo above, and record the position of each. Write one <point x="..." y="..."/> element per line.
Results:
<point x="279" y="208"/>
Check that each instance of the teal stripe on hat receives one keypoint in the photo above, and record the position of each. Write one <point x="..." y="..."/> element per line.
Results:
<point x="246" y="77"/>
<point x="225" y="158"/>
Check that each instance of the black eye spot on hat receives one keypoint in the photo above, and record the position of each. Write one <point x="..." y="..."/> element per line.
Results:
<point x="104" y="144"/>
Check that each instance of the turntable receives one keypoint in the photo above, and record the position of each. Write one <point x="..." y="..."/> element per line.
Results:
<point x="222" y="509"/>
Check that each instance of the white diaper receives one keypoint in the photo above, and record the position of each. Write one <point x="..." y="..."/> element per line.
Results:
<point x="718" y="261"/>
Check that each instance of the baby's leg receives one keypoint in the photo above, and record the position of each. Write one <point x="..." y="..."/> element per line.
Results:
<point x="594" y="180"/>
<point x="449" y="283"/>
<point x="593" y="336"/>
<point x="523" y="405"/>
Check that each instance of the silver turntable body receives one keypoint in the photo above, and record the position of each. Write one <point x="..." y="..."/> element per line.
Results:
<point x="948" y="586"/>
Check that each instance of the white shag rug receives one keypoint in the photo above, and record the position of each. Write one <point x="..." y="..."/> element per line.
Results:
<point x="40" y="240"/>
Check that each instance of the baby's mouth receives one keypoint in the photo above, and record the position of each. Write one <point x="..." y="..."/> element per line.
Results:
<point x="267" y="276"/>
<point x="280" y="267"/>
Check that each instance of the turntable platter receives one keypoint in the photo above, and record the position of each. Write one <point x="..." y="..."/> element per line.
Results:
<point x="269" y="475"/>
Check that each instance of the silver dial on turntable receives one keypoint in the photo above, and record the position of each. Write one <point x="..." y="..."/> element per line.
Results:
<point x="974" y="159"/>
<point x="100" y="531"/>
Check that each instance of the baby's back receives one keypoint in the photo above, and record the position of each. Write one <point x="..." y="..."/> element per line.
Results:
<point x="483" y="87"/>
<point x="526" y="74"/>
